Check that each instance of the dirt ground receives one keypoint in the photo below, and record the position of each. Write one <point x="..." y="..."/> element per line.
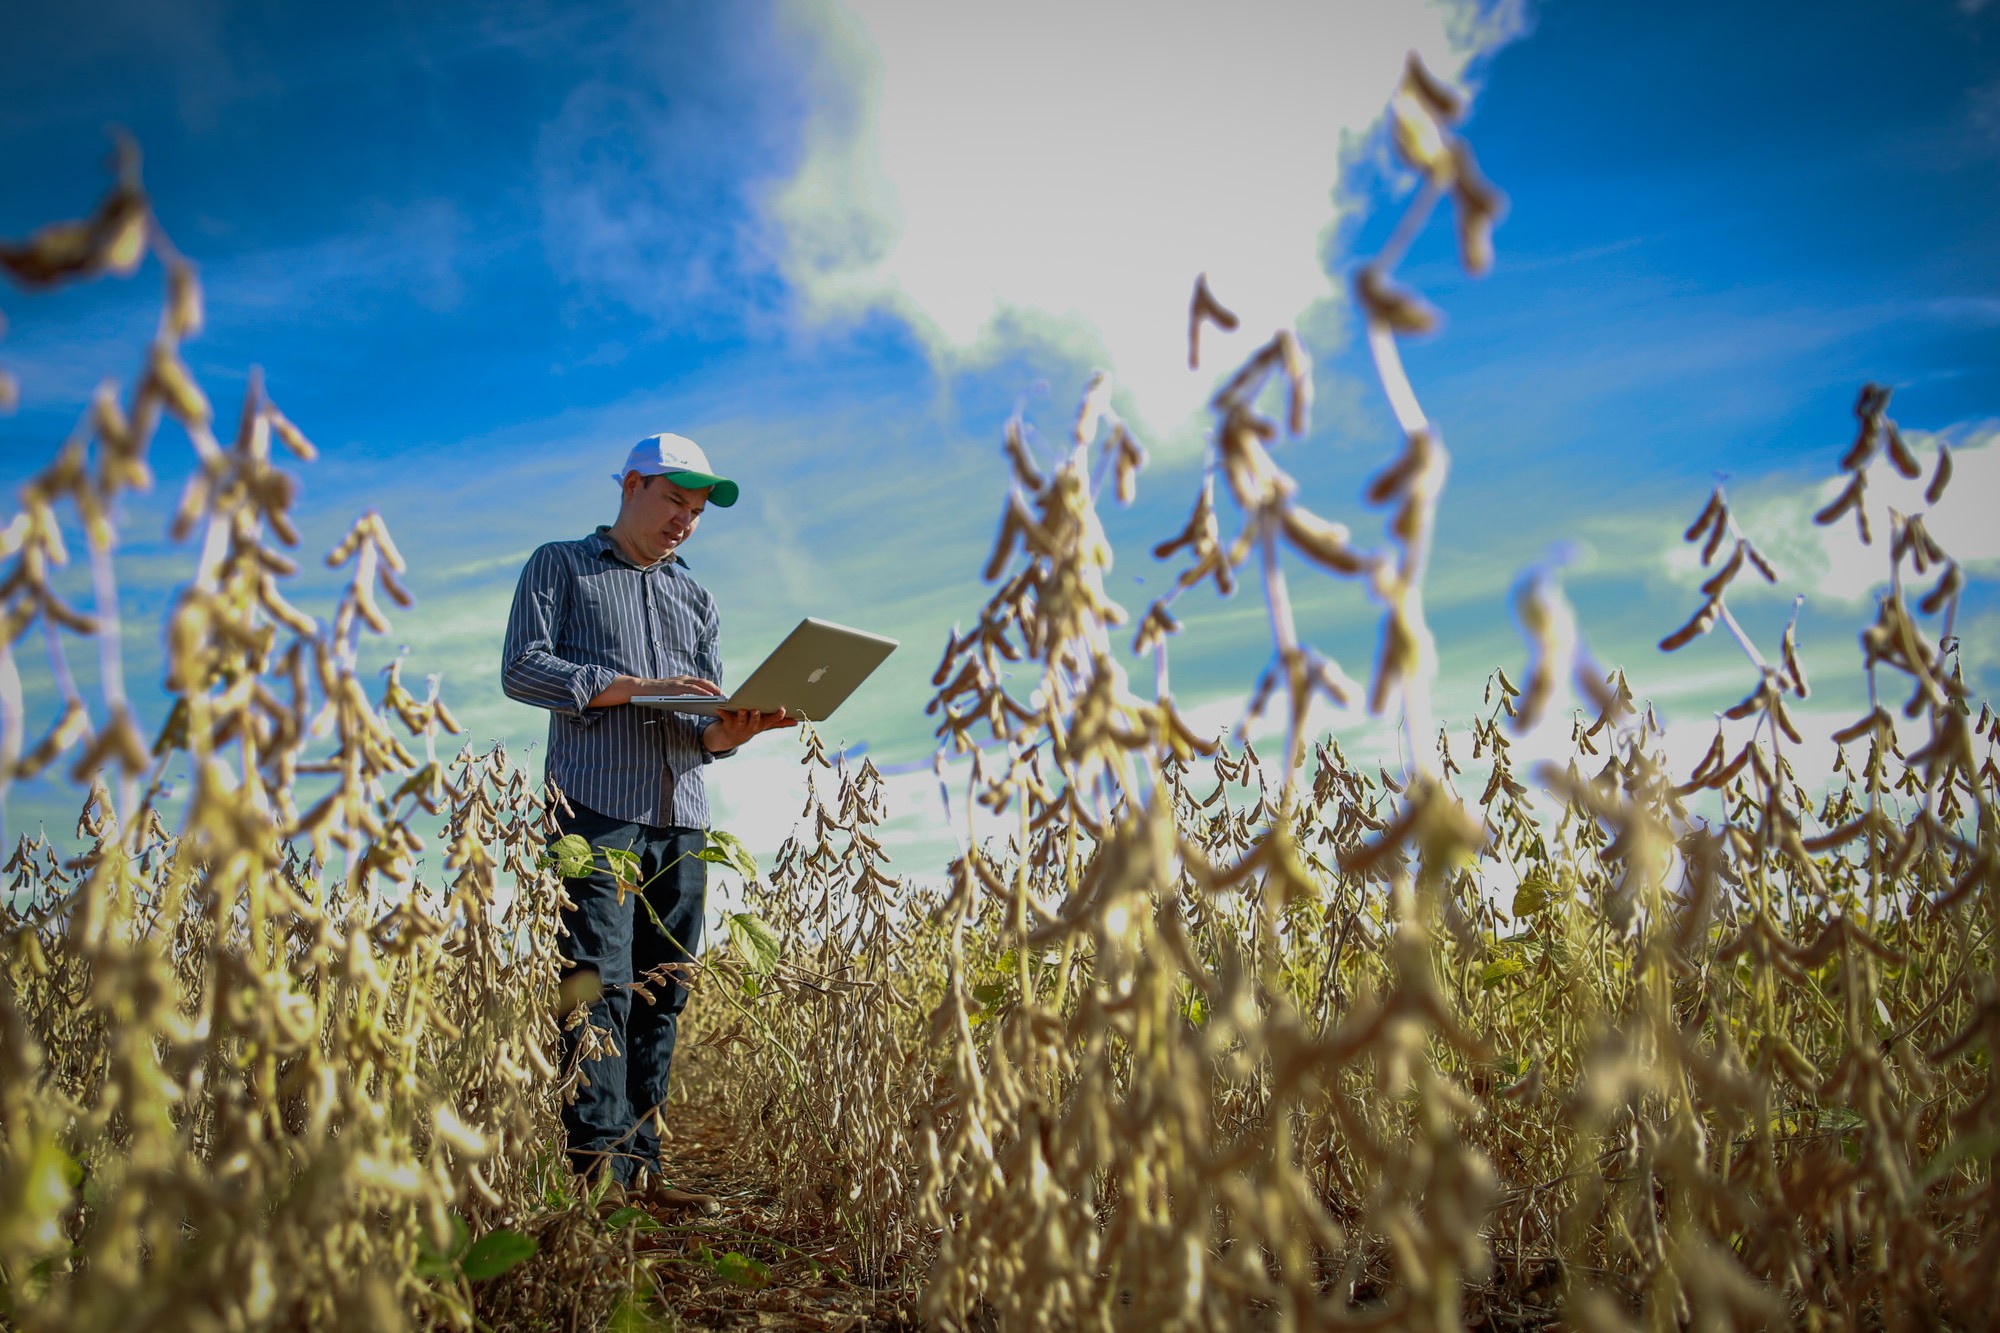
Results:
<point x="748" y="1268"/>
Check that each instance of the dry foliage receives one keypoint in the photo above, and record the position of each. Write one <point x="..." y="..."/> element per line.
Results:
<point x="1208" y="1042"/>
<point x="252" y="1073"/>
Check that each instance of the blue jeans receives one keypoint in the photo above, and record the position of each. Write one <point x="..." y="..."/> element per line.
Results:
<point x="611" y="1120"/>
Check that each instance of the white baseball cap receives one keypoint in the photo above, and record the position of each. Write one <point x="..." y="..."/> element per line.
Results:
<point x="679" y="460"/>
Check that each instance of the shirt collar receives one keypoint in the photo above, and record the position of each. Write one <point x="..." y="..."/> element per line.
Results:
<point x="608" y="550"/>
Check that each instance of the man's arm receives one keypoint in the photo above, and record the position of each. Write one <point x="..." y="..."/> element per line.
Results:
<point x="530" y="670"/>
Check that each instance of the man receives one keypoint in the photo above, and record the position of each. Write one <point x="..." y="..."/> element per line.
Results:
<point x="595" y="622"/>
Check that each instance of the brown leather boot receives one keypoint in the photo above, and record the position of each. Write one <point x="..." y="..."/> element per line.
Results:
<point x="653" y="1190"/>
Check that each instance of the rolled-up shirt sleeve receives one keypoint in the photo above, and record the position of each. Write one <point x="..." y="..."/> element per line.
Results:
<point x="531" y="672"/>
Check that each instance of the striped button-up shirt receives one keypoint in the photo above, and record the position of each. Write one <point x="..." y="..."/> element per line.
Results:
<point x="583" y="614"/>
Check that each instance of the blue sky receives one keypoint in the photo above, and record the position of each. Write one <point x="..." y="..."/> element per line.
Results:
<point x="480" y="249"/>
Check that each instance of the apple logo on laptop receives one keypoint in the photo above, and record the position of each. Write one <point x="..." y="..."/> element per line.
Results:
<point x="813" y="679"/>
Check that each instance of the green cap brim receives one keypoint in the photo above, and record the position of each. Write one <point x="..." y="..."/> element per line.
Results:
<point x="723" y="492"/>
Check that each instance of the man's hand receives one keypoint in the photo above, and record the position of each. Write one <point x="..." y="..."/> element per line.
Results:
<point x="623" y="689"/>
<point x="733" y="726"/>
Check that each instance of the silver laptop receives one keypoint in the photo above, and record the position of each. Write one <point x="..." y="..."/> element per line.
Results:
<point x="808" y="675"/>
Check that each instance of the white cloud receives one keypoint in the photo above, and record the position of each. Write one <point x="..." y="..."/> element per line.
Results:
<point x="1060" y="173"/>
<point x="1832" y="562"/>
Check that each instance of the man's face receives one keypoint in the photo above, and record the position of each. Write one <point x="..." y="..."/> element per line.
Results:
<point x="660" y="514"/>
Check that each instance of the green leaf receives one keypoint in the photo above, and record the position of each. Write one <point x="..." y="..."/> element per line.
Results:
<point x="754" y="940"/>
<point x="1499" y="970"/>
<point x="572" y="856"/>
<point x="624" y="869"/>
<point x="637" y="1218"/>
<point x="496" y="1252"/>
<point x="737" y="1269"/>
<point x="1533" y="895"/>
<point x="433" y="1262"/>
<point x="726" y="849"/>
<point x="637" y="1313"/>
